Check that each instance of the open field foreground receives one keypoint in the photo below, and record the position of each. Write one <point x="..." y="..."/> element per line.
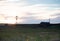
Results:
<point x="20" y="33"/>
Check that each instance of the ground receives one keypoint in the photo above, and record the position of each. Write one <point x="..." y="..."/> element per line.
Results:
<point x="21" y="33"/>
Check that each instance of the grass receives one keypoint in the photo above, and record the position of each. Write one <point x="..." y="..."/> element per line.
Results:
<point x="29" y="34"/>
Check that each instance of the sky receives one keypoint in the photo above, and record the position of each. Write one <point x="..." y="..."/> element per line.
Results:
<point x="29" y="11"/>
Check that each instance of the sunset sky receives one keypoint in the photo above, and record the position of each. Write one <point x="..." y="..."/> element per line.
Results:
<point x="29" y="11"/>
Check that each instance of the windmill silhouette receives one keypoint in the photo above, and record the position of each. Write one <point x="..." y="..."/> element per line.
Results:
<point x="16" y="19"/>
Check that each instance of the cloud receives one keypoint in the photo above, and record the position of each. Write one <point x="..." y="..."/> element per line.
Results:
<point x="55" y="20"/>
<point x="14" y="2"/>
<point x="11" y="8"/>
<point x="39" y="13"/>
<point x="38" y="10"/>
<point x="28" y="13"/>
<point x="44" y="1"/>
<point x="57" y="14"/>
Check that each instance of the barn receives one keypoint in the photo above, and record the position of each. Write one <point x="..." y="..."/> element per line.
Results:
<point x="45" y="24"/>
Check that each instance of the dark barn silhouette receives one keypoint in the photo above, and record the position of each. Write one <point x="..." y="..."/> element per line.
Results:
<point x="45" y="24"/>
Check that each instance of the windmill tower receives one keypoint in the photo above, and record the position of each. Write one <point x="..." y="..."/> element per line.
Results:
<point x="16" y="19"/>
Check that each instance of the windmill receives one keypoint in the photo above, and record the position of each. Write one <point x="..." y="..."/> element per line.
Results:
<point x="16" y="19"/>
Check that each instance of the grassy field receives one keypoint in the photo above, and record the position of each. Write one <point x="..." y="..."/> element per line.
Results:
<point x="29" y="34"/>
